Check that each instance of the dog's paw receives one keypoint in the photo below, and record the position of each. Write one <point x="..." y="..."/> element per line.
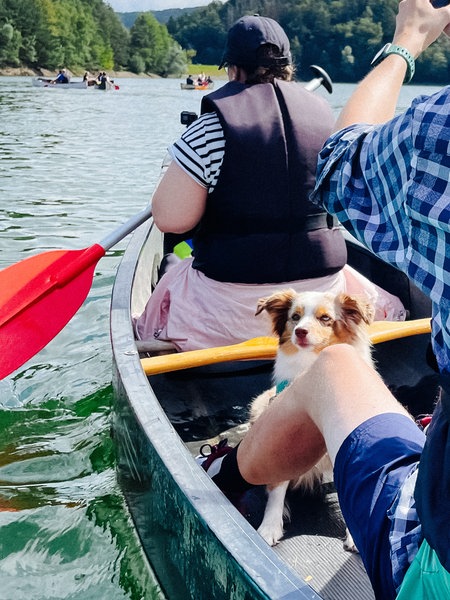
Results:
<point x="349" y="544"/>
<point x="271" y="532"/>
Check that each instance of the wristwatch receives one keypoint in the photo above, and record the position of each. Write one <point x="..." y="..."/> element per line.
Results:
<point x="393" y="49"/>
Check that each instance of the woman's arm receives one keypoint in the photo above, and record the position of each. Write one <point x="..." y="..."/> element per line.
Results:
<point x="178" y="202"/>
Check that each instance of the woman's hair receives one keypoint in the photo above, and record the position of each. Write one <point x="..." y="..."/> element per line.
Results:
<point x="272" y="66"/>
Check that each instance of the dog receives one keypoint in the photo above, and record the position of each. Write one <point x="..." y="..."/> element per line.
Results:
<point x="305" y="324"/>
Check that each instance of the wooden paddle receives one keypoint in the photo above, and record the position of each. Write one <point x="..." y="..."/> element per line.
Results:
<point x="39" y="295"/>
<point x="266" y="348"/>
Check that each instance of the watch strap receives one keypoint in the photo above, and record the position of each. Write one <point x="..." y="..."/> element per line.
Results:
<point x="404" y="53"/>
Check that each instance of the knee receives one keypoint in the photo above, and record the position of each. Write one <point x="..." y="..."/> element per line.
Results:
<point x="338" y="354"/>
<point x="337" y="367"/>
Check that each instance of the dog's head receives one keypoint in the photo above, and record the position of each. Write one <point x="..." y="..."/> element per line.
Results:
<point x="314" y="320"/>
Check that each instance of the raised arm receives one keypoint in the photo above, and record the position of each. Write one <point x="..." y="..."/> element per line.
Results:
<point x="418" y="25"/>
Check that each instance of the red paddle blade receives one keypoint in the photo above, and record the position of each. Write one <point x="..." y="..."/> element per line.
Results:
<point x="38" y="296"/>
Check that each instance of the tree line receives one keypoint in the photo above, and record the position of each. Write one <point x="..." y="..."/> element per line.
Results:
<point x="341" y="36"/>
<point x="84" y="34"/>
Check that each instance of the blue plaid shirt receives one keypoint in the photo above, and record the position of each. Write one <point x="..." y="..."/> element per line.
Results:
<point x="389" y="185"/>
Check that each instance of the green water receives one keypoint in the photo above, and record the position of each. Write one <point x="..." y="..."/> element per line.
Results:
<point x="74" y="165"/>
<point x="66" y="532"/>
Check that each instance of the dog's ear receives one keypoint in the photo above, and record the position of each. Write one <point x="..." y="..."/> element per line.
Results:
<point x="277" y="305"/>
<point x="354" y="309"/>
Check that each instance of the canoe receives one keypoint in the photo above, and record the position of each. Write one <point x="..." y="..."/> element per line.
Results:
<point x="189" y="86"/>
<point x="197" y="543"/>
<point x="44" y="82"/>
<point x="109" y="85"/>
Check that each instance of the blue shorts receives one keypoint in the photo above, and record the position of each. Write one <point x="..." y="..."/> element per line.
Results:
<point x="370" y="467"/>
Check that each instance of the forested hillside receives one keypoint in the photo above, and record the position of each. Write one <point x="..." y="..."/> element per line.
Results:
<point x="340" y="35"/>
<point x="84" y="34"/>
<point x="162" y="16"/>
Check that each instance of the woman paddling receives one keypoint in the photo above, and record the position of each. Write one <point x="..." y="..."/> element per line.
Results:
<point x="241" y="176"/>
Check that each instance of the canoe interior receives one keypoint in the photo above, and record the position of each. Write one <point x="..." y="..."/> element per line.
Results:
<point x="199" y="545"/>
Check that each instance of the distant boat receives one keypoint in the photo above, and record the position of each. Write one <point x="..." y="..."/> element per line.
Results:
<point x="102" y="86"/>
<point x="44" y="82"/>
<point x="195" y="86"/>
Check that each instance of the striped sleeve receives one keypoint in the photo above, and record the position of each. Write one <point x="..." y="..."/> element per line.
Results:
<point x="200" y="150"/>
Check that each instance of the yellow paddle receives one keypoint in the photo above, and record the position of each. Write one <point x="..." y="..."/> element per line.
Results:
<point x="266" y="348"/>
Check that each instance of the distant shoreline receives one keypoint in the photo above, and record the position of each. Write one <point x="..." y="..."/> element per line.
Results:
<point x="26" y="72"/>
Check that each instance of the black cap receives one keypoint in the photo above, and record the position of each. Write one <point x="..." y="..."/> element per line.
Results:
<point x="247" y="35"/>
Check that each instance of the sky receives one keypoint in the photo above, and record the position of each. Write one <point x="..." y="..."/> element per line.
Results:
<point x="143" y="5"/>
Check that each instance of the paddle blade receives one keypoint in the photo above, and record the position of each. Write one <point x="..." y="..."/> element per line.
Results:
<point x="38" y="296"/>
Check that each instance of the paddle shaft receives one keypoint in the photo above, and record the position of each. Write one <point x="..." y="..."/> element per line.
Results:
<point x="134" y="222"/>
<point x="266" y="348"/>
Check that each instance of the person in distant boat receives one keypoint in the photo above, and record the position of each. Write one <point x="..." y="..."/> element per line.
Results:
<point x="102" y="81"/>
<point x="240" y="177"/>
<point x="62" y="77"/>
<point x="89" y="78"/>
<point x="189" y="80"/>
<point x="388" y="180"/>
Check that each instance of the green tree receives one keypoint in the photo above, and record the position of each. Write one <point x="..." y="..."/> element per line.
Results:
<point x="151" y="41"/>
<point x="201" y="31"/>
<point x="10" y="42"/>
<point x="342" y="36"/>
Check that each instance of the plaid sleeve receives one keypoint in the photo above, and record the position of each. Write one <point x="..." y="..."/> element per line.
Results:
<point x="361" y="173"/>
<point x="389" y="185"/>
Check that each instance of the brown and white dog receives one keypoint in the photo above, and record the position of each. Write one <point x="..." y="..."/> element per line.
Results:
<point x="305" y="324"/>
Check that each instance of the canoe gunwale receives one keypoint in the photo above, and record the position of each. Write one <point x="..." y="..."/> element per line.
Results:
<point x="218" y="532"/>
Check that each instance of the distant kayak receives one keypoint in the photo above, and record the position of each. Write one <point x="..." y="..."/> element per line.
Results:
<point x="194" y="86"/>
<point x="103" y="85"/>
<point x="47" y="83"/>
<point x="44" y="82"/>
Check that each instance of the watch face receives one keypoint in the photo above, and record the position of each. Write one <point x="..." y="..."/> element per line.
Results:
<point x="380" y="54"/>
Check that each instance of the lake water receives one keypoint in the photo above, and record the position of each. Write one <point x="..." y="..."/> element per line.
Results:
<point x="74" y="165"/>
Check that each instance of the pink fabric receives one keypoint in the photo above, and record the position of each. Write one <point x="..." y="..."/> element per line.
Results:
<point x="196" y="312"/>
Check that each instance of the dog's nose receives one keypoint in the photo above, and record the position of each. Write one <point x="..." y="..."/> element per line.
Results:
<point x="301" y="333"/>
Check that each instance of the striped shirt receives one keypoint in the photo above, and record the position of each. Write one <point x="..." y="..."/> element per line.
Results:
<point x="390" y="186"/>
<point x="200" y="150"/>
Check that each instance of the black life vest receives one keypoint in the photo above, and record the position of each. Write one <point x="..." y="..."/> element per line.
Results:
<point x="259" y="225"/>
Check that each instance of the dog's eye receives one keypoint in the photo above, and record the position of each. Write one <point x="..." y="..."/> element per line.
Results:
<point x="325" y="319"/>
<point x="295" y="317"/>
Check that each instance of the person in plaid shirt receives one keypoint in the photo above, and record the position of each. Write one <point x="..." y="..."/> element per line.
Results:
<point x="387" y="179"/>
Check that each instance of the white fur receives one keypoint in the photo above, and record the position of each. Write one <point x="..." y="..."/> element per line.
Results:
<point x="306" y="323"/>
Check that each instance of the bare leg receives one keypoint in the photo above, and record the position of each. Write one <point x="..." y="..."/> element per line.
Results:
<point x="313" y="415"/>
